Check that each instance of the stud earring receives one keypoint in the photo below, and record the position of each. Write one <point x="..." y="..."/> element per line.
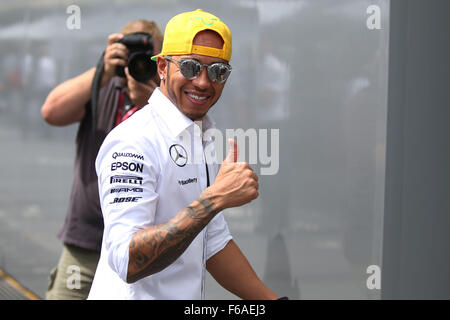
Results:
<point x="161" y="77"/>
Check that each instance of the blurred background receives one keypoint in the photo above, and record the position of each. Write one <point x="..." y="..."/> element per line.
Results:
<point x="317" y="70"/>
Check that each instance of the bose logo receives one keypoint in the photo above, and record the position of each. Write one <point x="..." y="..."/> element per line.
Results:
<point x="125" y="199"/>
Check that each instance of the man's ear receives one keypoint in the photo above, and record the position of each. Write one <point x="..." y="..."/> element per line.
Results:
<point x="162" y="67"/>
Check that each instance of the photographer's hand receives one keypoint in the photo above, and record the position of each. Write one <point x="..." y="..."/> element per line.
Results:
<point x="116" y="54"/>
<point x="139" y="92"/>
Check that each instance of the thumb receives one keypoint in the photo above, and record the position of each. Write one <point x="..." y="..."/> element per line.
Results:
<point x="114" y="38"/>
<point x="129" y="77"/>
<point x="127" y="72"/>
<point x="232" y="151"/>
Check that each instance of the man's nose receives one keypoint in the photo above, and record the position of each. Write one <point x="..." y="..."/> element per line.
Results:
<point x="202" y="81"/>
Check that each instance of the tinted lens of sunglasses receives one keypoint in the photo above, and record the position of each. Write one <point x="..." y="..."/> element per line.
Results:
<point x="190" y="68"/>
<point x="219" y="72"/>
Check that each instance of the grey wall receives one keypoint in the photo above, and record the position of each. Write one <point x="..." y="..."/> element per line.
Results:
<point x="416" y="250"/>
<point x="310" y="68"/>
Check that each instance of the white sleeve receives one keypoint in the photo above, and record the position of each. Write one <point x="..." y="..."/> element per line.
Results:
<point x="127" y="179"/>
<point x="218" y="235"/>
<point x="217" y="230"/>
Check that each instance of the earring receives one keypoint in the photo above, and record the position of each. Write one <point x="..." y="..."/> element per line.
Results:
<point x="161" y="77"/>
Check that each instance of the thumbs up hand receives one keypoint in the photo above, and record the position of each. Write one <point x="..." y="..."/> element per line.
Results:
<point x="236" y="184"/>
<point x="232" y="152"/>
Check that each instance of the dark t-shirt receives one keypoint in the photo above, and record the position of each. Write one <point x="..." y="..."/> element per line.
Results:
<point x="83" y="226"/>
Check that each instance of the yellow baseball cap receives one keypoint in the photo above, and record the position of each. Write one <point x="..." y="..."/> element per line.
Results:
<point x="181" y="30"/>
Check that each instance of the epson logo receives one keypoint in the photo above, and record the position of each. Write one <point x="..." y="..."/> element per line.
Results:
<point x="127" y="155"/>
<point x="125" y="199"/>
<point x="126" y="180"/>
<point x="127" y="166"/>
<point x="126" y="189"/>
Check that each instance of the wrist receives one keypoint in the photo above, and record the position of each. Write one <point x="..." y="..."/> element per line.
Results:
<point x="215" y="201"/>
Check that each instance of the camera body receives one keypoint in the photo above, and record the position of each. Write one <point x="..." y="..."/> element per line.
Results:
<point x="140" y="48"/>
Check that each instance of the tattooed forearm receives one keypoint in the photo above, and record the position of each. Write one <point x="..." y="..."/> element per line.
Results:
<point x="153" y="249"/>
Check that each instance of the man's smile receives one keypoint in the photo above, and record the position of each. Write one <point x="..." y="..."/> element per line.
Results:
<point x="197" y="98"/>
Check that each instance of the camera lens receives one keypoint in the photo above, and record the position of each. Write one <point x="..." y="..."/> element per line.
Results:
<point x="141" y="67"/>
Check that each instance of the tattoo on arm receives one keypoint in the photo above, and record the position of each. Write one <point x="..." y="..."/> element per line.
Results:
<point x="153" y="249"/>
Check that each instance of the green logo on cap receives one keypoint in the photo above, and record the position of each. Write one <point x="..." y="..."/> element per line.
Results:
<point x="206" y="23"/>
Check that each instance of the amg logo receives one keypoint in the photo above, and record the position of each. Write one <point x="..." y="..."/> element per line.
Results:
<point x="127" y="166"/>
<point x="126" y="180"/>
<point x="125" y="199"/>
<point x="126" y="189"/>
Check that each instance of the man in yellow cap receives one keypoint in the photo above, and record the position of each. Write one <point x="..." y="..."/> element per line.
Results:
<point x="161" y="200"/>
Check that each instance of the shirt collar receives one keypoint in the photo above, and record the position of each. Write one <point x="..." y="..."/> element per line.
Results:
<point x="175" y="120"/>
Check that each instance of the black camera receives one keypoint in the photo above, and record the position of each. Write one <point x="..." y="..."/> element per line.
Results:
<point x="140" y="48"/>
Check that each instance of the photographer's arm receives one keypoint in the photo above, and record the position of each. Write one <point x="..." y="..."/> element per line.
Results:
<point x="66" y="103"/>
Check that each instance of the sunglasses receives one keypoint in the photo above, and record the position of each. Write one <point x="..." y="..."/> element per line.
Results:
<point x="191" y="68"/>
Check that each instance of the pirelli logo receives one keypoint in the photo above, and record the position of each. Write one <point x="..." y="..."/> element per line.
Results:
<point x="126" y="180"/>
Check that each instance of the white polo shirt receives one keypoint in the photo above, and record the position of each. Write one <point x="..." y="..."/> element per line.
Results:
<point x="149" y="168"/>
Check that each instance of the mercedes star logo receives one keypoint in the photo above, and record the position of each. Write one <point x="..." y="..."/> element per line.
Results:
<point x="178" y="155"/>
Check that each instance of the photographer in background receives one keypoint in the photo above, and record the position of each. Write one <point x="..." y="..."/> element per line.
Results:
<point x="118" y="98"/>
